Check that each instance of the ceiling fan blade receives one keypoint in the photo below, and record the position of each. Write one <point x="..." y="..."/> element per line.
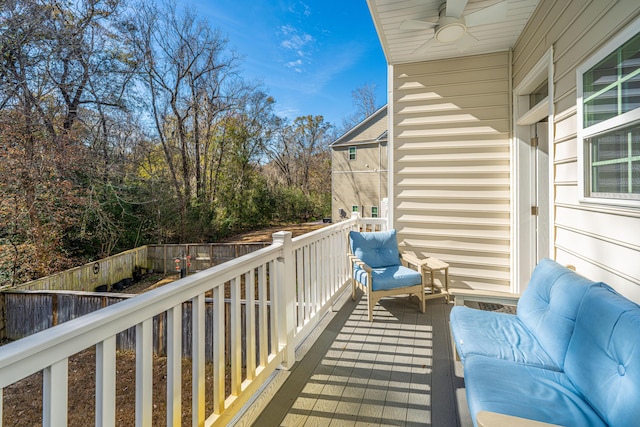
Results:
<point x="425" y="46"/>
<point x="488" y="15"/>
<point x="414" y="24"/>
<point x="455" y="8"/>
<point x="465" y="42"/>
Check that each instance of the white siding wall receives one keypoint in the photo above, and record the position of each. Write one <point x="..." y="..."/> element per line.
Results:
<point x="602" y="242"/>
<point x="451" y="179"/>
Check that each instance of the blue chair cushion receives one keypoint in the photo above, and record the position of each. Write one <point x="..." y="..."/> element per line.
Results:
<point x="393" y="277"/>
<point x="549" y="305"/>
<point x="498" y="335"/>
<point x="526" y="391"/>
<point x="376" y="249"/>
<point x="603" y="358"/>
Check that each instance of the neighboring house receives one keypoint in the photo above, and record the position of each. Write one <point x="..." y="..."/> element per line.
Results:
<point x="359" y="164"/>
<point x="466" y="184"/>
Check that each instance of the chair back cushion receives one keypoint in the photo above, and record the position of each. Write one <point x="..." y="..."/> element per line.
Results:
<point x="377" y="249"/>
<point x="603" y="358"/>
<point x="549" y="305"/>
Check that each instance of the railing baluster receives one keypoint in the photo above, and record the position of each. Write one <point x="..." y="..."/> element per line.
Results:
<point x="236" y="338"/>
<point x="106" y="382"/>
<point x="301" y="297"/>
<point x="54" y="394"/>
<point x="315" y="291"/>
<point x="273" y="312"/>
<point x="263" y="319"/>
<point x="174" y="366"/>
<point x="197" y="360"/>
<point x="250" y="316"/>
<point x="144" y="373"/>
<point x="307" y="280"/>
<point x="218" y="350"/>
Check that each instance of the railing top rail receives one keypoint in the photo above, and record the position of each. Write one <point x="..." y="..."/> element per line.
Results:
<point x="307" y="238"/>
<point x="44" y="348"/>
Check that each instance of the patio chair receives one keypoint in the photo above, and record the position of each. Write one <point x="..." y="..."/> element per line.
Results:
<point x="377" y="268"/>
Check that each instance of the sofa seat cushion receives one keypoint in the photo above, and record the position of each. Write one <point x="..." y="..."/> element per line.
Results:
<point x="525" y="391"/>
<point x="498" y="335"/>
<point x="388" y="278"/>
<point x="549" y="305"/>
<point x="603" y="358"/>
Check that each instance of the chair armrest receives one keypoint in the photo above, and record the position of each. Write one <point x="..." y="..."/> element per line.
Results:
<point x="355" y="260"/>
<point x="412" y="259"/>
<point x="494" y="419"/>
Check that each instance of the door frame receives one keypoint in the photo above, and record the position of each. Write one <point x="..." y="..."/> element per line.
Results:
<point x="523" y="229"/>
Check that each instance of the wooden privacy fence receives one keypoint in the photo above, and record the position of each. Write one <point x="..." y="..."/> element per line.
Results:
<point x="29" y="312"/>
<point x="196" y="257"/>
<point x="88" y="277"/>
<point x="159" y="258"/>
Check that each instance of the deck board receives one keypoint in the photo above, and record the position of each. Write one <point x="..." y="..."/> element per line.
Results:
<point x="395" y="371"/>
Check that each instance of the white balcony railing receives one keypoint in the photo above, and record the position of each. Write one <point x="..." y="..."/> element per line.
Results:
<point x="300" y="278"/>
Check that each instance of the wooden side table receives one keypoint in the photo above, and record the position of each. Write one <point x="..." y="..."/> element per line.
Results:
<point x="430" y="265"/>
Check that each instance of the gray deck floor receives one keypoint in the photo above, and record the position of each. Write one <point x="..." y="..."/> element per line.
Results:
<point x="397" y="371"/>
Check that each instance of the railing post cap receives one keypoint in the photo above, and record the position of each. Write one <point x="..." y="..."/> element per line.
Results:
<point x="281" y="236"/>
<point x="355" y="215"/>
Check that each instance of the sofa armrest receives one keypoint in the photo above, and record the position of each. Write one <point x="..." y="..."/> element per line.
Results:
<point x="496" y="297"/>
<point x="494" y="419"/>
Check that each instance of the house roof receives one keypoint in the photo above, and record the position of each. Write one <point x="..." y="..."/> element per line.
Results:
<point x="406" y="28"/>
<point x="373" y="129"/>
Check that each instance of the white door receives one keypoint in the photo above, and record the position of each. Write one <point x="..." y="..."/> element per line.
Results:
<point x="540" y="192"/>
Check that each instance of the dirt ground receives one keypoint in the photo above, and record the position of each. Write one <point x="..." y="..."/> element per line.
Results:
<point x="22" y="402"/>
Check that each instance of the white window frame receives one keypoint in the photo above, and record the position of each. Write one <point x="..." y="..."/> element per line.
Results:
<point x="355" y="156"/>
<point x="377" y="214"/>
<point x="618" y="122"/>
<point x="355" y="208"/>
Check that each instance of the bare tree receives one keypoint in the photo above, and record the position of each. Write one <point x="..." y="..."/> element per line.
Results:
<point x="186" y="68"/>
<point x="364" y="100"/>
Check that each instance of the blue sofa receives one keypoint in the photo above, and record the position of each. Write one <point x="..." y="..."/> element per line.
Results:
<point x="570" y="356"/>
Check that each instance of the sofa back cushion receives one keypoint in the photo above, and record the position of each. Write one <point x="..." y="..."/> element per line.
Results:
<point x="549" y="305"/>
<point x="377" y="249"/>
<point x="603" y="358"/>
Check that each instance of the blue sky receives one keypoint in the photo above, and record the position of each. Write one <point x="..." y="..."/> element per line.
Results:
<point x="310" y="55"/>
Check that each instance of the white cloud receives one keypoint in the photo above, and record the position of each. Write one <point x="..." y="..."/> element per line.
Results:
<point x="298" y="46"/>
<point x="295" y="65"/>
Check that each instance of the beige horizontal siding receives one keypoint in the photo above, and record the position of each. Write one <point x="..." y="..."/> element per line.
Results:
<point x="603" y="242"/>
<point x="451" y="178"/>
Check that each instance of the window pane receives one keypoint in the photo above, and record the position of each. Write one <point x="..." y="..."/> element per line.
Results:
<point x="614" y="156"/>
<point x="631" y="55"/>
<point x="631" y="94"/>
<point x="610" y="178"/>
<point x="610" y="146"/>
<point x="635" y="179"/>
<point x="601" y="108"/>
<point x="601" y="76"/>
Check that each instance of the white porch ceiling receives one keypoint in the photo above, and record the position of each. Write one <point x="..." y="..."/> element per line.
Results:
<point x="405" y="45"/>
